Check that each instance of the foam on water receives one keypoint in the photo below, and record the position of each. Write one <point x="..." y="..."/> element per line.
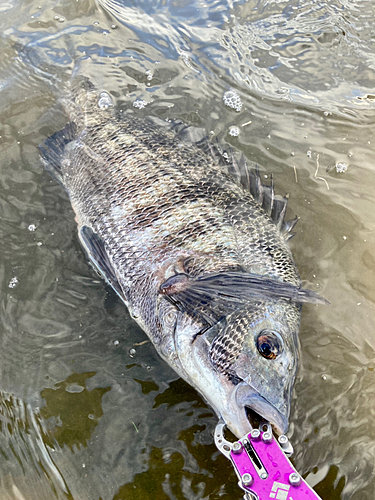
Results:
<point x="232" y="100"/>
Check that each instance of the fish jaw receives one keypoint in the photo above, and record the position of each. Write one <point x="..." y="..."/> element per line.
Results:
<point x="232" y="408"/>
<point x="247" y="397"/>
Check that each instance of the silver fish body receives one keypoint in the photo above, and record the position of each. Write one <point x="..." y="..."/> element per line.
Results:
<point x="195" y="246"/>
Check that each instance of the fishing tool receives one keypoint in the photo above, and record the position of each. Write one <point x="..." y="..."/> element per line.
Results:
<point x="262" y="465"/>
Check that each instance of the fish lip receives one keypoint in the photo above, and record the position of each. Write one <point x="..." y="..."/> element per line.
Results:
<point x="247" y="396"/>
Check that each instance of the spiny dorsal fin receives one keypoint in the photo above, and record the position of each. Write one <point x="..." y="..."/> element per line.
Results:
<point x="274" y="205"/>
<point x="249" y="178"/>
<point x="287" y="228"/>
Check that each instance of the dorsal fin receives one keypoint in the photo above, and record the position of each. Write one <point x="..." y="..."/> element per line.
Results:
<point x="249" y="178"/>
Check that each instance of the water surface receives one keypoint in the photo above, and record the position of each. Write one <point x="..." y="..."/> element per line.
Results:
<point x="87" y="408"/>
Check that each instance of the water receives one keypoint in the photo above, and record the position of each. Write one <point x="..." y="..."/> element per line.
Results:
<point x="87" y="409"/>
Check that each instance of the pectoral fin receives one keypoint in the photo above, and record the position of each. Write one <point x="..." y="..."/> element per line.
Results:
<point x="213" y="296"/>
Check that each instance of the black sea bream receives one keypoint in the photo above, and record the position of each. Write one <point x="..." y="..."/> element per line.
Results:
<point x="196" y="247"/>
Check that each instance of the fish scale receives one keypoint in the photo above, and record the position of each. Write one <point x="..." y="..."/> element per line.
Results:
<point x="194" y="244"/>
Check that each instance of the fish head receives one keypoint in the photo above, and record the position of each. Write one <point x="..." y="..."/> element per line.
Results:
<point x="263" y="363"/>
<point x="246" y="361"/>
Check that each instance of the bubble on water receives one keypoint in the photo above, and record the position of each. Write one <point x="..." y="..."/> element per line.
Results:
<point x="140" y="103"/>
<point x="32" y="227"/>
<point x="13" y="282"/>
<point x="149" y="75"/>
<point x="74" y="388"/>
<point x="234" y="131"/>
<point x="134" y="313"/>
<point x="308" y="154"/>
<point x="105" y="100"/>
<point x="96" y="23"/>
<point x="132" y="352"/>
<point x="327" y="113"/>
<point x="341" y="167"/>
<point x="232" y="100"/>
<point x="39" y="244"/>
<point x="113" y="26"/>
<point x="116" y="343"/>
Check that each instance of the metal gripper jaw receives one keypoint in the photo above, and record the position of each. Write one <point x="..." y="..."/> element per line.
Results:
<point x="262" y="465"/>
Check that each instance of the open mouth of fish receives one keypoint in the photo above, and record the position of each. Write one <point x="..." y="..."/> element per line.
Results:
<point x="251" y="408"/>
<point x="257" y="409"/>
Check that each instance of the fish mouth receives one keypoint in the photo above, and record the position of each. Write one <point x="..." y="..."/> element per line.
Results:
<point x="248" y="398"/>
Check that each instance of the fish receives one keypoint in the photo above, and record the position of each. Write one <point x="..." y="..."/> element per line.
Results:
<point x="196" y="246"/>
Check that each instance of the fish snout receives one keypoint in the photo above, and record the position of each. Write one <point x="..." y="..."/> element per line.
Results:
<point x="276" y="414"/>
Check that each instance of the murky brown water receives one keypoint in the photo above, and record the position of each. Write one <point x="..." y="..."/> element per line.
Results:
<point x="81" y="415"/>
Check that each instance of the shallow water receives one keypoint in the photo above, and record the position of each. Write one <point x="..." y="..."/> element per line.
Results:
<point x="87" y="408"/>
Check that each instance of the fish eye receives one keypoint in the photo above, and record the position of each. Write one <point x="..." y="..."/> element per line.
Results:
<point x="269" y="344"/>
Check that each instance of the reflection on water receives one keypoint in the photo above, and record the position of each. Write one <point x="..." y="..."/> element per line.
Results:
<point x="26" y="460"/>
<point x="87" y="409"/>
<point x="71" y="411"/>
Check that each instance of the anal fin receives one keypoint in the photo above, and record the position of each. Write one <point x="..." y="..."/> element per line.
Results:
<point x="99" y="257"/>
